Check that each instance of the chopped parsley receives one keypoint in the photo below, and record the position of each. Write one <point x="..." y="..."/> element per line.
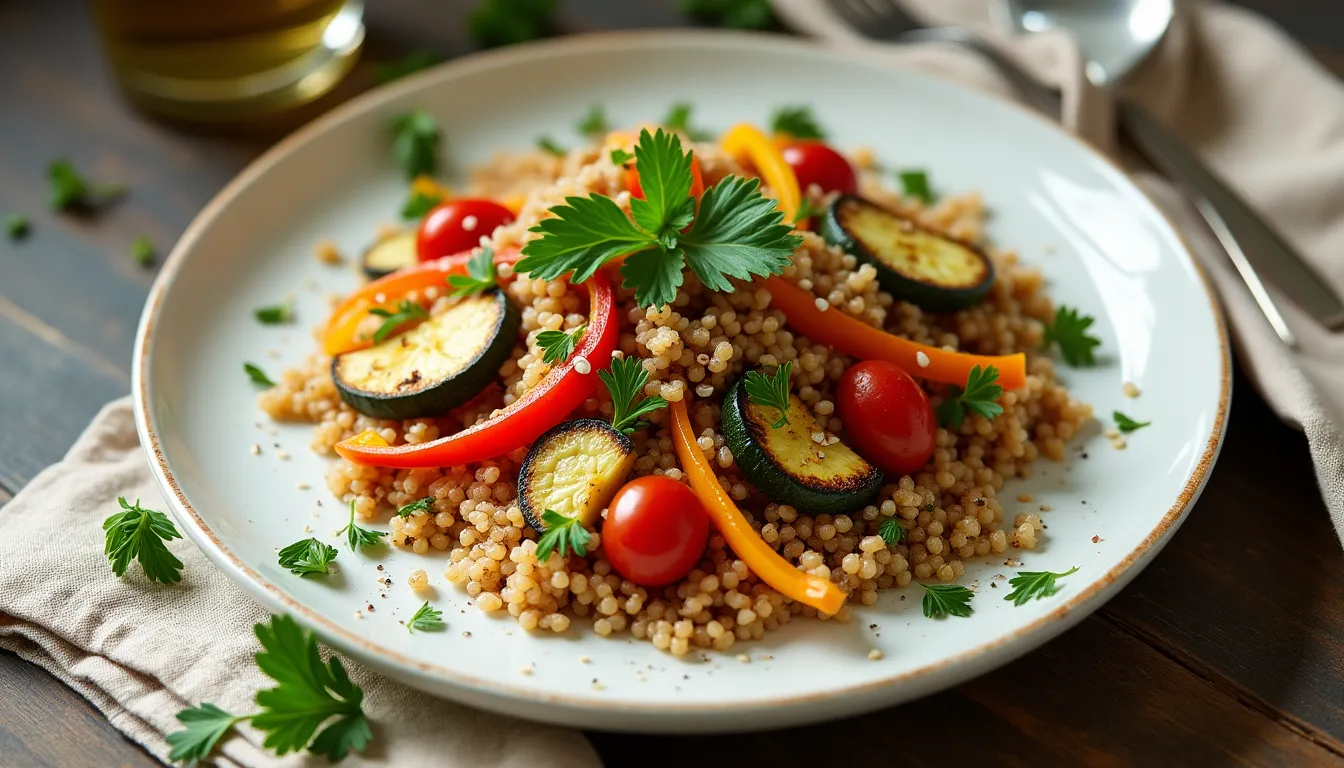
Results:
<point x="17" y="226"/>
<point x="946" y="600"/>
<point x="1034" y="584"/>
<point x="770" y="392"/>
<point x="916" y="184"/>
<point x="1069" y="331"/>
<point x="806" y="210"/>
<point x="257" y="375"/>
<point x="493" y="23"/>
<point x="737" y="14"/>
<point x="307" y="556"/>
<point x="620" y="157"/>
<point x="979" y="396"/>
<point x="276" y="314"/>
<point x="419" y="505"/>
<point x="136" y="533"/>
<point x="1126" y="424"/>
<point x="798" y="122"/>
<point x="679" y="119"/>
<point x="480" y="275"/>
<point x="407" y="311"/>
<point x="359" y="538"/>
<point x="594" y="123"/>
<point x="625" y="382"/>
<point x="891" y="531"/>
<point x="419" y="204"/>
<point x="142" y="251"/>
<point x="204" y="726"/>
<point x="557" y="346"/>
<point x="69" y="189"/>
<point x="408" y="64"/>
<point x="415" y="143"/>
<point x="425" y="619"/>
<point x="563" y="535"/>
<point x="547" y="144"/>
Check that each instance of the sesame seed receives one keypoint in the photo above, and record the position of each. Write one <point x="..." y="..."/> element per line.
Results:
<point x="823" y="304"/>
<point x="526" y="669"/>
<point x="582" y="365"/>
<point x="922" y="359"/>
<point x="744" y="658"/>
<point x="585" y="660"/>
<point x="1130" y="389"/>
<point x="282" y="455"/>
<point x="303" y="486"/>
<point x="255" y="449"/>
<point x="598" y="686"/>
<point x="485" y="241"/>
<point x="359" y="614"/>
<point x="875" y="655"/>
<point x="469" y="223"/>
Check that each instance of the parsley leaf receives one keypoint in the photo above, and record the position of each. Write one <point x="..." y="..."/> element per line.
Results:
<point x="595" y="122"/>
<point x="806" y="210"/>
<point x="665" y="177"/>
<point x="738" y="14"/>
<point x="625" y="382"/>
<point x="563" y="535"/>
<point x="891" y="531"/>
<point x="797" y="122"/>
<point x="359" y="538"/>
<point x="307" y="556"/>
<point x="916" y="184"/>
<point x="419" y="204"/>
<point x="257" y="375"/>
<point x="494" y="23"/>
<point x="548" y="144"/>
<point x="980" y="396"/>
<point x="142" y="251"/>
<point x="1034" y="584"/>
<point x="737" y="233"/>
<point x="679" y="119"/>
<point x="307" y="694"/>
<point x="277" y="314"/>
<point x="70" y="190"/>
<point x="655" y="275"/>
<point x="620" y="157"/>
<point x="407" y="311"/>
<point x="946" y="600"/>
<point x="17" y="226"/>
<point x="425" y="619"/>
<point x="770" y="392"/>
<point x="480" y="275"/>
<point x="419" y="505"/>
<point x="415" y="143"/>
<point x="557" y="346"/>
<point x="411" y="62"/>
<point x="139" y="533"/>
<point x="581" y="236"/>
<point x="1126" y="424"/>
<point x="1069" y="331"/>
<point x="204" y="726"/>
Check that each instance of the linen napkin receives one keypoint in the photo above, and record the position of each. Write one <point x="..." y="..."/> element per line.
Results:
<point x="141" y="651"/>
<point x="1257" y="108"/>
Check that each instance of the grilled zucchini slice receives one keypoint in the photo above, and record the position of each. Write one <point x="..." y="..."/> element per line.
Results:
<point x="432" y="368"/>
<point x="389" y="254"/>
<point x="926" y="268"/>
<point x="785" y="463"/>
<point x="574" y="470"/>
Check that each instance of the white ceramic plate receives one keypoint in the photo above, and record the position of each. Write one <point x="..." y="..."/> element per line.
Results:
<point x="1101" y="243"/>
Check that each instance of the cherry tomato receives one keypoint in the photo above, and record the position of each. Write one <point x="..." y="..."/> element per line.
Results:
<point x="632" y="180"/>
<point x="816" y="163"/>
<point x="458" y="225"/>
<point x="655" y="531"/>
<point x="887" y="416"/>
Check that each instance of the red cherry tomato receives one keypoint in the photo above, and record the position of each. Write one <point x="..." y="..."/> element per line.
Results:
<point x="887" y="416"/>
<point x="655" y="531"/>
<point x="457" y="226"/>
<point x="816" y="163"/>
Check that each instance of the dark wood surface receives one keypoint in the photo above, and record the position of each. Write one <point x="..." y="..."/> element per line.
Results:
<point x="1227" y="650"/>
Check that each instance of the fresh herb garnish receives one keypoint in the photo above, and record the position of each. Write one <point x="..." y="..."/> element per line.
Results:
<point x="1034" y="584"/>
<point x="418" y="204"/>
<point x="1126" y="424"/>
<point x="548" y="144"/>
<point x="419" y="505"/>
<point x="563" y="535"/>
<point x="737" y="14"/>
<point x="737" y="233"/>
<point x="891" y="531"/>
<point x="557" y="346"/>
<point x="138" y="533"/>
<point x="916" y="184"/>
<point x="276" y="314"/>
<point x="415" y="143"/>
<point x="625" y="382"/>
<point x="425" y="619"/>
<point x="307" y="556"/>
<point x="493" y="23"/>
<point x="204" y="727"/>
<point x="480" y="275"/>
<point x="17" y="226"/>
<point x="771" y="392"/>
<point x="359" y="538"/>
<point x="411" y="62"/>
<point x="142" y="251"/>
<point x="257" y="375"/>
<point x="1069" y="331"/>
<point x="806" y="210"/>
<point x="946" y="600"/>
<point x="980" y="395"/>
<point x="621" y="157"/>
<point x="407" y="311"/>
<point x="69" y="189"/>
<point x="797" y="122"/>
<point x="594" y="123"/>
<point x="679" y="119"/>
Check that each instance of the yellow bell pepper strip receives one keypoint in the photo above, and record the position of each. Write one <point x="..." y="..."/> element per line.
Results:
<point x="747" y="141"/>
<point x="339" y="334"/>
<point x="763" y="561"/>
<point x="522" y="421"/>
<point x="427" y="186"/>
<point x="858" y="339"/>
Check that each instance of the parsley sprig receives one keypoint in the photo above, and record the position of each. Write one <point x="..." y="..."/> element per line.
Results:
<point x="505" y="22"/>
<point x="620" y="157"/>
<point x="136" y="533"/>
<point x="276" y="314"/>
<point x="1126" y="424"/>
<point x="419" y="505"/>
<point x="70" y="189"/>
<point x="1034" y="584"/>
<point x="916" y="185"/>
<point x="979" y="395"/>
<point x="425" y="619"/>
<point x="480" y="275"/>
<point x="678" y="118"/>
<point x="309" y="694"/>
<point x="407" y="311"/>
<point x="419" y="204"/>
<point x="415" y="143"/>
<point x="547" y="144"/>
<point x="563" y="535"/>
<point x="257" y="375"/>
<point x="17" y="226"/>
<point x="594" y="123"/>
<point x="625" y="382"/>
<point x="891" y="531"/>
<point x="798" y="122"/>
<point x="408" y="64"/>
<point x="1069" y="331"/>
<point x="359" y="538"/>
<point x="142" y="251"/>
<point x="307" y="556"/>
<point x="946" y="600"/>
<point x="771" y="392"/>
<point x="557" y="346"/>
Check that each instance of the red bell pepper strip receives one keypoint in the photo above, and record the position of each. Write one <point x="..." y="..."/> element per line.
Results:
<point x="522" y="421"/>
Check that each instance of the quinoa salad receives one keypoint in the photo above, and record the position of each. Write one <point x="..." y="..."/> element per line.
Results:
<point x="688" y="388"/>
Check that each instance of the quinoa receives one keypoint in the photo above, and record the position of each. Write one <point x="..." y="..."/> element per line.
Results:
<point x="949" y="510"/>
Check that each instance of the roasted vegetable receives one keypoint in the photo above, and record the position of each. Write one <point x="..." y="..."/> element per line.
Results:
<point x="388" y="255"/>
<point x="574" y="470"/>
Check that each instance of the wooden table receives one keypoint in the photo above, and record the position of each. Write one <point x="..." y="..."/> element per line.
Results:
<point x="1228" y="649"/>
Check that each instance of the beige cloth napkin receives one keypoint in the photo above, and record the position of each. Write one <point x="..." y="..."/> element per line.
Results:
<point x="141" y="652"/>
<point x="1259" y="110"/>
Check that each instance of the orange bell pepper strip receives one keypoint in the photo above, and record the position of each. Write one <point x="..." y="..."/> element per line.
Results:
<point x="522" y="421"/>
<point x="763" y="561"/>
<point x="338" y="335"/>
<point x="857" y="339"/>
<point x="744" y="141"/>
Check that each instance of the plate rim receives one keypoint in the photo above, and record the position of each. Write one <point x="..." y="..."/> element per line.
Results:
<point x="274" y="599"/>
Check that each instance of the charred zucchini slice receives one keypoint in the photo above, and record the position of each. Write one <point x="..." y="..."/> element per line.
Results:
<point x="574" y="469"/>
<point x="432" y="368"/>
<point x="926" y="268"/>
<point x="787" y="465"/>
<point x="389" y="254"/>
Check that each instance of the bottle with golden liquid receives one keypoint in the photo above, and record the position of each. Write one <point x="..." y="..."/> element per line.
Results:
<point x="224" y="60"/>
